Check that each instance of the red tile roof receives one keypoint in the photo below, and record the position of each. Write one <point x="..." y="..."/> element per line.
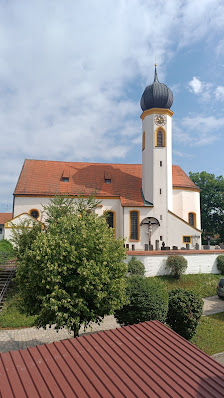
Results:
<point x="45" y="178"/>
<point x="144" y="360"/>
<point x="4" y="217"/>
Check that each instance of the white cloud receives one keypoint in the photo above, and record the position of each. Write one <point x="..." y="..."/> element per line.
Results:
<point x="66" y="69"/>
<point x="195" y="85"/>
<point x="219" y="93"/>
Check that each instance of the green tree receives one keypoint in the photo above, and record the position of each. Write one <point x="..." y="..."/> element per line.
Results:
<point x="72" y="273"/>
<point x="212" y="202"/>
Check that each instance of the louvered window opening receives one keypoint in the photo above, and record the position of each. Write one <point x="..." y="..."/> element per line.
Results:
<point x="191" y="219"/>
<point x="110" y="219"/>
<point x="160" y="138"/>
<point x="134" y="225"/>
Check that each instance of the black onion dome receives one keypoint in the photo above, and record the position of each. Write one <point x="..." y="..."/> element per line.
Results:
<point x="157" y="95"/>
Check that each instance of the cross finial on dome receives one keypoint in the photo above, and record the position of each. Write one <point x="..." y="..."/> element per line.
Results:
<point x="155" y="77"/>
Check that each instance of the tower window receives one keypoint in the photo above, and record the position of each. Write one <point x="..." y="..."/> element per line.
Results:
<point x="192" y="219"/>
<point x="143" y="141"/>
<point x="160" y="191"/>
<point x="161" y="163"/>
<point x="134" y="225"/>
<point x="160" y="138"/>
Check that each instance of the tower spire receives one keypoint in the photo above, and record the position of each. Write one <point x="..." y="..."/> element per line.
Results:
<point x="155" y="76"/>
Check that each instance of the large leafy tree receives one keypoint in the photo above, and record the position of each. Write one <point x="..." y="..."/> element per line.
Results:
<point x="73" y="272"/>
<point x="212" y="202"/>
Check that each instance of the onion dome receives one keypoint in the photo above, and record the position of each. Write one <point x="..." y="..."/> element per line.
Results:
<point x="157" y="95"/>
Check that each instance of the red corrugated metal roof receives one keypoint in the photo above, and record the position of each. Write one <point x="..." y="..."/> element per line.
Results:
<point x="4" y="217"/>
<point x="144" y="360"/>
<point x="43" y="178"/>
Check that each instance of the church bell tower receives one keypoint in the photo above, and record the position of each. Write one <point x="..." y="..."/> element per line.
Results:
<point x="156" y="118"/>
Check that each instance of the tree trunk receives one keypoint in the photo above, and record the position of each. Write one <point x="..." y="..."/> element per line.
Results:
<point x="76" y="330"/>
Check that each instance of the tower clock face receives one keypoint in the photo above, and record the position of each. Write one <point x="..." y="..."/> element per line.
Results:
<point x="160" y="120"/>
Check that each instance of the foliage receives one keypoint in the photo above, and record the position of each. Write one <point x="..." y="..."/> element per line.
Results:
<point x="148" y="300"/>
<point x="176" y="265"/>
<point x="136" y="267"/>
<point x="220" y="264"/>
<point x="212" y="202"/>
<point x="209" y="336"/>
<point x="202" y="284"/>
<point x="72" y="273"/>
<point x="184" y="312"/>
<point x="23" y="237"/>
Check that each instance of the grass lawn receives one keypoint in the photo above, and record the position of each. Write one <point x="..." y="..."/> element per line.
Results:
<point x="209" y="336"/>
<point x="6" y="251"/>
<point x="11" y="316"/>
<point x="202" y="284"/>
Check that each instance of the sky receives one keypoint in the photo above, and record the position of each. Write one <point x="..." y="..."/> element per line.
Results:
<point x="72" y="74"/>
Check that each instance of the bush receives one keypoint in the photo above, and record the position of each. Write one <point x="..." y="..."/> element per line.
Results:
<point x="184" y="312"/>
<point x="220" y="263"/>
<point x="135" y="267"/>
<point x="148" y="300"/>
<point x="176" y="265"/>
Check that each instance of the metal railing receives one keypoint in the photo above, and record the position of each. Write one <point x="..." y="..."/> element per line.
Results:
<point x="5" y="285"/>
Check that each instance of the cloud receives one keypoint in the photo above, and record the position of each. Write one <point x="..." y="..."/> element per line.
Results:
<point x="197" y="130"/>
<point x="196" y="86"/>
<point x="67" y="71"/>
<point x="219" y="93"/>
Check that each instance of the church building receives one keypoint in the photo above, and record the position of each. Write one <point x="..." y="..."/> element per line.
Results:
<point x="152" y="205"/>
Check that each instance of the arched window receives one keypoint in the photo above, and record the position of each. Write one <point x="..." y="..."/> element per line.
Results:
<point x="34" y="213"/>
<point x="143" y="141"/>
<point x="134" y="225"/>
<point x="160" y="138"/>
<point x="192" y="219"/>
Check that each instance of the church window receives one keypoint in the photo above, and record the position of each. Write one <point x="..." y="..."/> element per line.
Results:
<point x="161" y="238"/>
<point x="34" y="213"/>
<point x="160" y="138"/>
<point x="134" y="225"/>
<point x="160" y="191"/>
<point x="192" y="219"/>
<point x="161" y="163"/>
<point x="161" y="217"/>
<point x="186" y="239"/>
<point x="143" y="141"/>
<point x="110" y="219"/>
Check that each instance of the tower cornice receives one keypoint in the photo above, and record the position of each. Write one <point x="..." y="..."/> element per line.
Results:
<point x="161" y="111"/>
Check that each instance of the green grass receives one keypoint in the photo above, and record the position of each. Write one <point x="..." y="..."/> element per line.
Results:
<point x="11" y="315"/>
<point x="209" y="336"/>
<point x="6" y="249"/>
<point x="202" y="284"/>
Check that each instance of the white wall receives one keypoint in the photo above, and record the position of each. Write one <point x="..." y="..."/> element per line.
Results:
<point x="197" y="263"/>
<point x="187" y="201"/>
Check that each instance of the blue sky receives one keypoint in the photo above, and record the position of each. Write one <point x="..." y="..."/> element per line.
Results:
<point x="72" y="74"/>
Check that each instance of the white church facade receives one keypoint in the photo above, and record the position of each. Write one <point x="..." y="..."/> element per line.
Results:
<point x="153" y="205"/>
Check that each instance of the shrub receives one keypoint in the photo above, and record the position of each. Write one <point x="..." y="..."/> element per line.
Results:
<point x="176" y="265"/>
<point x="148" y="300"/>
<point x="135" y="267"/>
<point x="184" y="312"/>
<point x="220" y="263"/>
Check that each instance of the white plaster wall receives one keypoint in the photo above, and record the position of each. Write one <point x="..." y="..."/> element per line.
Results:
<point x="197" y="263"/>
<point x="177" y="229"/>
<point x="185" y="202"/>
<point x="147" y="158"/>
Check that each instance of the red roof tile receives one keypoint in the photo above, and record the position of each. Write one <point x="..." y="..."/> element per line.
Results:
<point x="4" y="217"/>
<point x="144" y="360"/>
<point x="44" y="178"/>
